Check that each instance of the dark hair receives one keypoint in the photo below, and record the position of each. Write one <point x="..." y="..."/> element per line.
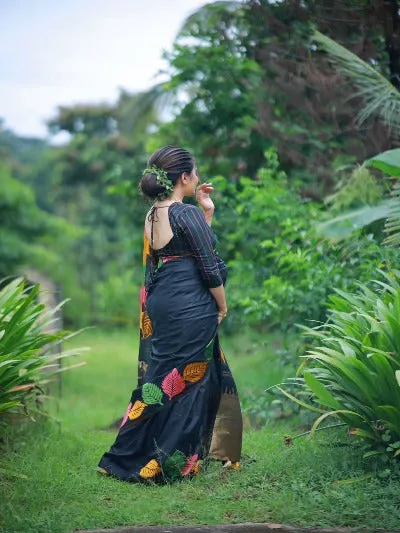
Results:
<point x="174" y="161"/>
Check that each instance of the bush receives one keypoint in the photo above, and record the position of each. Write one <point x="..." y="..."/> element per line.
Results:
<point x="117" y="299"/>
<point x="281" y="270"/>
<point x="353" y="372"/>
<point x="25" y="347"/>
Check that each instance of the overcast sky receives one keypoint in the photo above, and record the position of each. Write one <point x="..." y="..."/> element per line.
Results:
<point x="60" y="52"/>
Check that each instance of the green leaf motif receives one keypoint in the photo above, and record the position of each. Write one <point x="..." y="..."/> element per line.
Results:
<point x="209" y="351"/>
<point x="173" y="466"/>
<point x="152" y="394"/>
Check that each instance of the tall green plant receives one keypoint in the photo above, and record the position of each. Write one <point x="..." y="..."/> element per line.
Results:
<point x="353" y="372"/>
<point x="26" y="359"/>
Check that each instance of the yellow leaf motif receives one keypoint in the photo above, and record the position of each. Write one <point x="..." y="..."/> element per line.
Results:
<point x="146" y="248"/>
<point x="137" y="410"/>
<point x="223" y="358"/>
<point x="196" y="468"/>
<point x="145" y="325"/>
<point x="194" y="372"/>
<point x="150" y="470"/>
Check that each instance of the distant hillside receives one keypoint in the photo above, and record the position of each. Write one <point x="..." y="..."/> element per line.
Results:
<point x="23" y="150"/>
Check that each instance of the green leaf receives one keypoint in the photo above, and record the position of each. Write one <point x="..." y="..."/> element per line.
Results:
<point x="371" y="454"/>
<point x="324" y="396"/>
<point x="388" y="162"/>
<point x="345" y="224"/>
<point x="332" y="413"/>
<point x="380" y="97"/>
<point x="300" y="402"/>
<point x="152" y="394"/>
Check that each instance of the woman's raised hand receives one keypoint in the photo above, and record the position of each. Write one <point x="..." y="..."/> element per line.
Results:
<point x="203" y="196"/>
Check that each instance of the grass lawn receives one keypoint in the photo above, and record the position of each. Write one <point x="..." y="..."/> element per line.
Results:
<point x="319" y="482"/>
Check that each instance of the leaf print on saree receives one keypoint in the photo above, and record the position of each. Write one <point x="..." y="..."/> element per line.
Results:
<point x="126" y="415"/>
<point x="209" y="351"/>
<point x="173" y="384"/>
<point x="195" y="371"/>
<point x="137" y="410"/>
<point x="152" y="394"/>
<point x="145" y="325"/>
<point x="190" y="464"/>
<point x="150" y="470"/>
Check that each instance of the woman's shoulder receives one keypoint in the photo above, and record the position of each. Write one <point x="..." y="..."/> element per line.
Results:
<point x="187" y="213"/>
<point x="181" y="208"/>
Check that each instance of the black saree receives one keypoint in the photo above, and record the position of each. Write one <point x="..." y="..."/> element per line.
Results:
<point x="185" y="408"/>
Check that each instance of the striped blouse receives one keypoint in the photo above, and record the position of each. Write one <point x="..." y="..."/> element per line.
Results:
<point x="193" y="236"/>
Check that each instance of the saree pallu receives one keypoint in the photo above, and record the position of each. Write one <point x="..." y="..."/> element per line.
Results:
<point x="185" y="408"/>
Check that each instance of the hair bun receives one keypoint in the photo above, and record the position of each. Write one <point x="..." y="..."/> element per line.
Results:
<point x="150" y="187"/>
<point x="165" y="166"/>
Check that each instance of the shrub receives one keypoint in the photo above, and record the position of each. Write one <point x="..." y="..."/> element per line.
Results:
<point x="25" y="347"/>
<point x="353" y="372"/>
<point x="281" y="270"/>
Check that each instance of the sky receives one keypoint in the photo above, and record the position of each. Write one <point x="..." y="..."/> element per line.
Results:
<point x="80" y="51"/>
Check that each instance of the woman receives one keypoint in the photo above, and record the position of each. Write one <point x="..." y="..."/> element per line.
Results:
<point x="185" y="408"/>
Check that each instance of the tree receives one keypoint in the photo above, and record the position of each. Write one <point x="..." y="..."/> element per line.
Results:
<point x="22" y="226"/>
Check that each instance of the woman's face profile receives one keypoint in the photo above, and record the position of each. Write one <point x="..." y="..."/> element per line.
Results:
<point x="194" y="181"/>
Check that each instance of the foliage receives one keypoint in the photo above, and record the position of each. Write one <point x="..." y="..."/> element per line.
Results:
<point x="281" y="269"/>
<point x="241" y="78"/>
<point x="19" y="154"/>
<point x="347" y="223"/>
<point x="378" y="94"/>
<point x="241" y="85"/>
<point x="360" y="189"/>
<point x="213" y="79"/>
<point x="25" y="346"/>
<point x="23" y="226"/>
<point x="76" y="181"/>
<point x="389" y="162"/>
<point x="115" y="299"/>
<point x="353" y="370"/>
<point x="369" y="192"/>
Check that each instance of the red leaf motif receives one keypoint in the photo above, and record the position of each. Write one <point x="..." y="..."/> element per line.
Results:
<point x="143" y="295"/>
<point x="192" y="460"/>
<point x="173" y="384"/>
<point x="126" y="415"/>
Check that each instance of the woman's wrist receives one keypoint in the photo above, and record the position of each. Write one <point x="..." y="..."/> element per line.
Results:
<point x="208" y="215"/>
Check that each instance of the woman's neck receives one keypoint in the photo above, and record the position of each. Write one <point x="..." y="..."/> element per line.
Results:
<point x="168" y="201"/>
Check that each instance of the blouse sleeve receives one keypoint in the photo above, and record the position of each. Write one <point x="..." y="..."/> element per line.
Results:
<point x="199" y="238"/>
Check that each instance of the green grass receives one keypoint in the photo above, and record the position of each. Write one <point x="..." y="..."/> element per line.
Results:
<point x="321" y="482"/>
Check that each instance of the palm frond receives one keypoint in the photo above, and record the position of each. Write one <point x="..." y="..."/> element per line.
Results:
<point x="380" y="97"/>
<point x="140" y="110"/>
<point x="205" y="12"/>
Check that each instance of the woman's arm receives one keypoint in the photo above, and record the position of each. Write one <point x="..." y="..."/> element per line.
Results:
<point x="219" y="295"/>
<point x="199" y="237"/>
<point x="208" y="215"/>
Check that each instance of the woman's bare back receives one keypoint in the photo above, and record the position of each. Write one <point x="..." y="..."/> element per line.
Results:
<point x="162" y="231"/>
